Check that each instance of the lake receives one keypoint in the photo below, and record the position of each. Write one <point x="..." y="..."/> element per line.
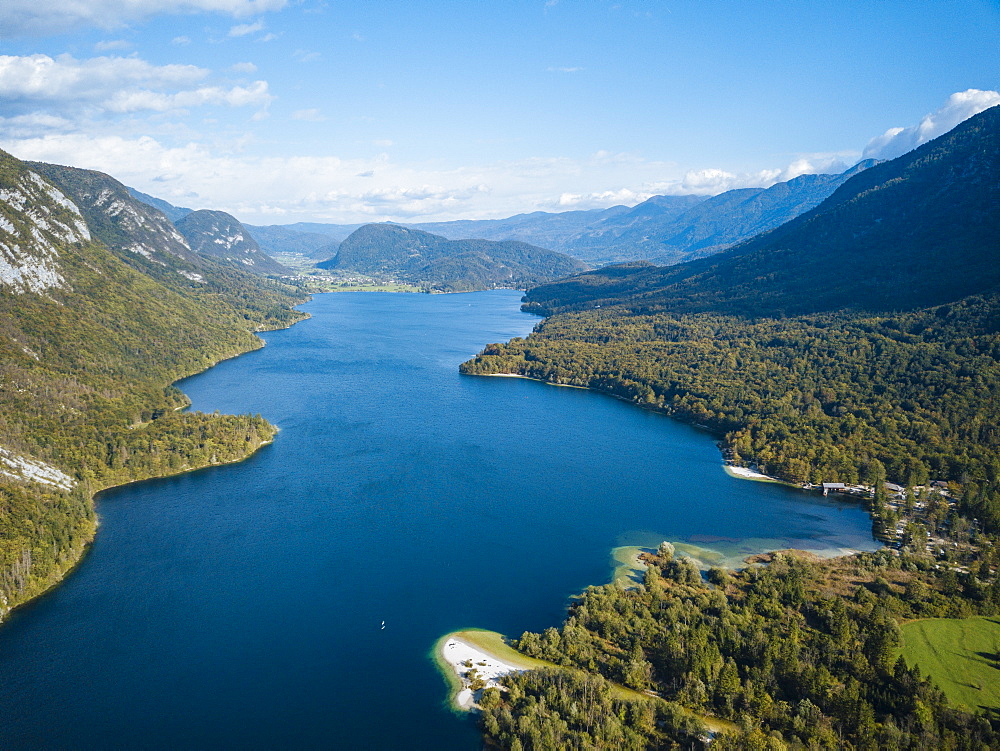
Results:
<point x="241" y="606"/>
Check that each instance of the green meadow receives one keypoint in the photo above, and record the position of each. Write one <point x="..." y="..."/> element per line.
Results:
<point x="962" y="655"/>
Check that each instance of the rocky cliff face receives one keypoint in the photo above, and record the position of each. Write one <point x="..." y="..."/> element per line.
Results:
<point x="35" y="220"/>
<point x="127" y="226"/>
<point x="220" y="235"/>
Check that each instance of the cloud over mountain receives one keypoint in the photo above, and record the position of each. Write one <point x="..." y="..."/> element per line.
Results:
<point x="960" y="107"/>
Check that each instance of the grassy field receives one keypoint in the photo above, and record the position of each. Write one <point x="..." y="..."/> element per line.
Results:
<point x="962" y="655"/>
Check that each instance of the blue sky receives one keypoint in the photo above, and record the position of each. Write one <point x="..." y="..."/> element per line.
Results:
<point x="310" y="110"/>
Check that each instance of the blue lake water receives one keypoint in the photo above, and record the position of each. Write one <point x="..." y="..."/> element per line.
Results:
<point x="240" y="606"/>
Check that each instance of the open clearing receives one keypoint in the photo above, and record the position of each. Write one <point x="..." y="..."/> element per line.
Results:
<point x="962" y="655"/>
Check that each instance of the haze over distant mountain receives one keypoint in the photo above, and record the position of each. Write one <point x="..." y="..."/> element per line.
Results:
<point x="218" y="234"/>
<point x="278" y="239"/>
<point x="659" y="230"/>
<point x="662" y="229"/>
<point x="542" y="228"/>
<point x="421" y="258"/>
<point x="920" y="230"/>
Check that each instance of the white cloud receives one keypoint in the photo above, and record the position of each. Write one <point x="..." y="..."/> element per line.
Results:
<point x="267" y="190"/>
<point x="238" y="96"/>
<point x="243" y="68"/>
<point x="960" y="106"/>
<point x="711" y="181"/>
<point x="64" y="85"/>
<point x="243" y="29"/>
<point x="818" y="164"/>
<point x="42" y="78"/>
<point x="563" y="70"/>
<point x="34" y="18"/>
<point x="288" y="189"/>
<point x="603" y="199"/>
<point x="181" y="41"/>
<point x="33" y="124"/>
<point x="304" y="56"/>
<point x="383" y="143"/>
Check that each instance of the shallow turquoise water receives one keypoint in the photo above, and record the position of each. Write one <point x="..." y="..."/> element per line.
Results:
<point x="240" y="606"/>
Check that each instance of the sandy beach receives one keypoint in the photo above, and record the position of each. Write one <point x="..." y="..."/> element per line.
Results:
<point x="748" y="474"/>
<point x="462" y="652"/>
<point x="464" y="658"/>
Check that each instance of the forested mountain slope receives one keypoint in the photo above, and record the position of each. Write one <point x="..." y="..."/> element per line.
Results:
<point x="421" y="258"/>
<point x="917" y="231"/>
<point x="844" y="390"/>
<point x="102" y="307"/>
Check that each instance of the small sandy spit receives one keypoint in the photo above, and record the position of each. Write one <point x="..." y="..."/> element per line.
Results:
<point x="459" y="654"/>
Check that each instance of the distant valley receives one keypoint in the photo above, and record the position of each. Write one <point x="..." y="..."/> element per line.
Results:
<point x="662" y="229"/>
<point x="442" y="265"/>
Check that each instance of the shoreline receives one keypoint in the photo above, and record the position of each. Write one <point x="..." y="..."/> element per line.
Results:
<point x="466" y="655"/>
<point x="745" y="473"/>
<point x="91" y="524"/>
<point x="539" y="380"/>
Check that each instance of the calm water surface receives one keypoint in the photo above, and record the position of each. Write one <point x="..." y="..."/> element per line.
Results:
<point x="240" y="606"/>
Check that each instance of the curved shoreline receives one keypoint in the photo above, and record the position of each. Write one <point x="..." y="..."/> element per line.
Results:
<point x="459" y="653"/>
<point x="90" y="525"/>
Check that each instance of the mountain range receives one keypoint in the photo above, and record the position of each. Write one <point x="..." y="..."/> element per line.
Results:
<point x="918" y="231"/>
<point x="662" y="229"/>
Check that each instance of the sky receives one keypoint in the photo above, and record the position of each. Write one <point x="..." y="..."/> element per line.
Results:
<point x="280" y="111"/>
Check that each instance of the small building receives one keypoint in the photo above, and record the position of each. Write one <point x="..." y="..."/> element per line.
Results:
<point x="838" y="487"/>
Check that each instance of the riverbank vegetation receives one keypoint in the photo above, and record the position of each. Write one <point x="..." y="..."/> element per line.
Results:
<point x="838" y="397"/>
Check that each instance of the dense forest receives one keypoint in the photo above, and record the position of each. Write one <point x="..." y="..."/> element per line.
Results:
<point x="826" y="398"/>
<point x="86" y="365"/>
<point x="797" y="654"/>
